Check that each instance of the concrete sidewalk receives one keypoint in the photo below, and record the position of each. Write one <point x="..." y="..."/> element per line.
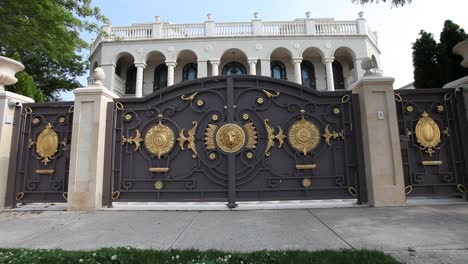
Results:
<point x="413" y="234"/>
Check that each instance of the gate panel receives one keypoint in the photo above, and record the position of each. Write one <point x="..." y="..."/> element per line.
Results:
<point x="431" y="138"/>
<point x="305" y="145"/>
<point x="158" y="146"/>
<point x="235" y="138"/>
<point x="42" y="164"/>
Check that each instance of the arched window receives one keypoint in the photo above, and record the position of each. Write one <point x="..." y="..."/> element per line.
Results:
<point x="278" y="71"/>
<point x="234" y="68"/>
<point x="160" y="77"/>
<point x="338" y="77"/>
<point x="308" y="74"/>
<point x="190" y="72"/>
<point x="130" y="82"/>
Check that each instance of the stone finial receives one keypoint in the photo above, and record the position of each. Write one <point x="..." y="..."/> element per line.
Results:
<point x="361" y="15"/>
<point x="370" y="67"/>
<point x="158" y="19"/>
<point x="99" y="76"/>
<point x="209" y="17"/>
<point x="307" y="14"/>
<point x="256" y="15"/>
<point x="8" y="69"/>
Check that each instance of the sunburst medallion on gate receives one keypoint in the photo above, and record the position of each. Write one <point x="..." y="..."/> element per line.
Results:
<point x="159" y="140"/>
<point x="304" y="136"/>
<point x="230" y="137"/>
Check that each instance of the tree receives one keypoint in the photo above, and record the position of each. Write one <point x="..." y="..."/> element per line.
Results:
<point x="426" y="68"/>
<point x="436" y="64"/>
<point x="46" y="36"/>
<point x="394" y="2"/>
<point x="26" y="86"/>
<point x="449" y="62"/>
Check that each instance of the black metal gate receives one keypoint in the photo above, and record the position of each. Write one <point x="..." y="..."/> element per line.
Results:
<point x="236" y="139"/>
<point x="39" y="165"/>
<point x="432" y="126"/>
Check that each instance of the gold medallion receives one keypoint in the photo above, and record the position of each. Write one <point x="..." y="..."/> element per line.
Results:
<point x="159" y="140"/>
<point x="427" y="133"/>
<point x="47" y="144"/>
<point x="159" y="185"/>
<point x="304" y="136"/>
<point x="230" y="137"/>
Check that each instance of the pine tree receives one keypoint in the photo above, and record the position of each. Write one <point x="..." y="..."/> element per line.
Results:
<point x="449" y="62"/>
<point x="426" y="68"/>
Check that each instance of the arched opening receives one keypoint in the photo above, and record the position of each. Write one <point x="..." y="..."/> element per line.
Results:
<point x="186" y="68"/>
<point x="233" y="62"/>
<point x="234" y="68"/>
<point x="189" y="72"/>
<point x="344" y="72"/>
<point x="312" y="69"/>
<point x="338" y="78"/>
<point x="160" y="77"/>
<point x="155" y="73"/>
<point x="308" y="74"/>
<point x="130" y="83"/>
<point x="125" y="74"/>
<point x="278" y="70"/>
<point x="280" y="61"/>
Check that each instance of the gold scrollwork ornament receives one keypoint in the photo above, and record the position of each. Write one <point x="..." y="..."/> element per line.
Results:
<point x="159" y="140"/>
<point x="47" y="144"/>
<point x="230" y="137"/>
<point x="304" y="136"/>
<point x="427" y="133"/>
<point x="133" y="140"/>
<point x="331" y="135"/>
<point x="190" y="139"/>
<point x="271" y="137"/>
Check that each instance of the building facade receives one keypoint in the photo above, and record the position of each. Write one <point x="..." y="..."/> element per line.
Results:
<point x="323" y="54"/>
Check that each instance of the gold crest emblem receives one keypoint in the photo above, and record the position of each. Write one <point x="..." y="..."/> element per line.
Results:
<point x="427" y="133"/>
<point x="47" y="144"/>
<point x="230" y="137"/>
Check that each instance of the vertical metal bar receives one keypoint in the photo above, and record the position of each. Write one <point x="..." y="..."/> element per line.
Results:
<point x="357" y="130"/>
<point x="107" y="188"/>
<point x="13" y="163"/>
<point x="463" y="126"/>
<point x="231" y="164"/>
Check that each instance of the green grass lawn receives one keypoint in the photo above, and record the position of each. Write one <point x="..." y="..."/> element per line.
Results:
<point x="131" y="255"/>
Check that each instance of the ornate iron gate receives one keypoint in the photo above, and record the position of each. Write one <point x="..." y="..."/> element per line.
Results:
<point x="431" y="124"/>
<point x="39" y="166"/>
<point x="236" y="139"/>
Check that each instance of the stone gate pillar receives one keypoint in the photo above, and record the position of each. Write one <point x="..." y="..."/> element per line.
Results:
<point x="88" y="145"/>
<point x="8" y="103"/>
<point x="381" y="141"/>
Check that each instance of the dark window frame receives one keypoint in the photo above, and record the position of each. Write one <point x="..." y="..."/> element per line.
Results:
<point x="311" y="82"/>
<point x="186" y="71"/>
<point x="234" y="64"/>
<point x="282" y="70"/>
<point x="130" y="80"/>
<point x="158" y="83"/>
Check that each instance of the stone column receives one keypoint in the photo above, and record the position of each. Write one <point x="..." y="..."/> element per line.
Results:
<point x="297" y="70"/>
<point x="214" y="67"/>
<point x="8" y="103"/>
<point x="170" y="72"/>
<point x="329" y="68"/>
<point x="88" y="145"/>
<point x="139" y="79"/>
<point x="252" y="66"/>
<point x="381" y="141"/>
<point x="202" y="70"/>
<point x="265" y="67"/>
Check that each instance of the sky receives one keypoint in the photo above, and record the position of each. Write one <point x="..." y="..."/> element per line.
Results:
<point x="397" y="27"/>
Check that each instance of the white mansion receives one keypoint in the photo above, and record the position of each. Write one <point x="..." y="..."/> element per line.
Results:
<point x="320" y="53"/>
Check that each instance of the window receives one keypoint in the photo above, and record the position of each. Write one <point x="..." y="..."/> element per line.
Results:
<point x="308" y="74"/>
<point x="338" y="78"/>
<point x="190" y="72"/>
<point x="233" y="68"/>
<point x="160" y="77"/>
<point x="130" y="83"/>
<point x="278" y="71"/>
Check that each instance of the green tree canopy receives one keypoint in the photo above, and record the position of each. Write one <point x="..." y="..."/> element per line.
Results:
<point x="434" y="63"/>
<point x="394" y="2"/>
<point x="46" y="36"/>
